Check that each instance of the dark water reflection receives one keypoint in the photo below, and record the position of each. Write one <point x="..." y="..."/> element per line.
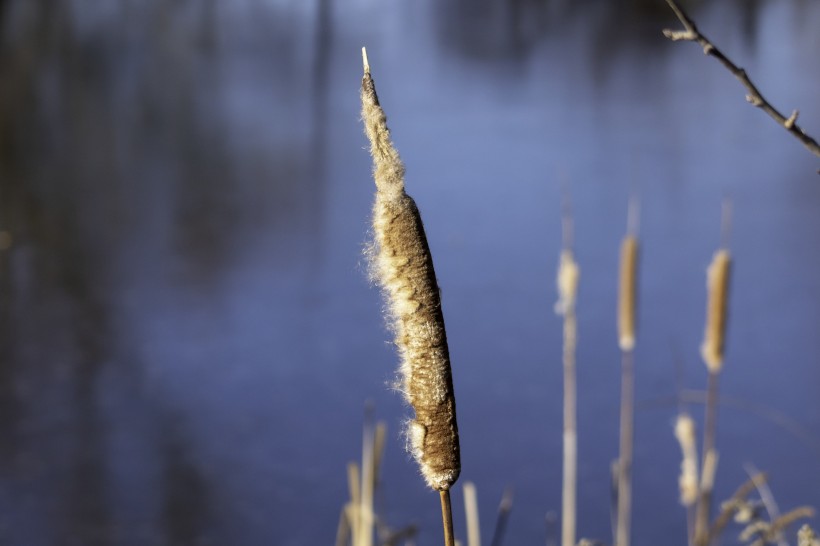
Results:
<point x="186" y="333"/>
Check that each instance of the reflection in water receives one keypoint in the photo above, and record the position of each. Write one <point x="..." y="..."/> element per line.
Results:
<point x="491" y="29"/>
<point x="186" y="195"/>
<point x="186" y="508"/>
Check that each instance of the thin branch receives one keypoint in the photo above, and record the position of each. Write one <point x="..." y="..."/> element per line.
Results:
<point x="690" y="33"/>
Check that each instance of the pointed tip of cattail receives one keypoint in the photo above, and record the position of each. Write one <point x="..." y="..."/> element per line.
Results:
<point x="365" y="63"/>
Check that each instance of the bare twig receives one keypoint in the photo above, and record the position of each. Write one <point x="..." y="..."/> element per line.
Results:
<point x="690" y="33"/>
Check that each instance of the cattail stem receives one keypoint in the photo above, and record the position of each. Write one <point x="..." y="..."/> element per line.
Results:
<point x="626" y="340"/>
<point x="704" y="505"/>
<point x="504" y="508"/>
<point x="568" y="274"/>
<point x="622" y="535"/>
<point x="447" y="517"/>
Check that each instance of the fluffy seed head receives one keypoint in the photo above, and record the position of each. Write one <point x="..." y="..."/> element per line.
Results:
<point x="688" y="480"/>
<point x="403" y="267"/>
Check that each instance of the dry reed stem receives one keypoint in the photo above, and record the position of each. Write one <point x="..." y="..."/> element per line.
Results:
<point x="626" y="340"/>
<point x="344" y="530"/>
<point x="622" y="529"/>
<point x="504" y="508"/>
<point x="766" y="496"/>
<point x="717" y="282"/>
<point x="366" y="516"/>
<point x="691" y="33"/>
<point x="471" y="513"/>
<point x="447" y="517"/>
<point x="404" y="268"/>
<point x="352" y="509"/>
<point x="707" y="484"/>
<point x="567" y="281"/>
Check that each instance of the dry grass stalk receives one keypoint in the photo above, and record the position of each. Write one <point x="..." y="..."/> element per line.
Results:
<point x="404" y="268"/>
<point x="567" y="281"/>
<point x="707" y="484"/>
<point x="343" y="531"/>
<point x="504" y="508"/>
<point x="471" y="513"/>
<point x="366" y="523"/>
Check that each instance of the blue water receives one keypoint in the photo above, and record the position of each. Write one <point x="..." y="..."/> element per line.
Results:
<point x="187" y="333"/>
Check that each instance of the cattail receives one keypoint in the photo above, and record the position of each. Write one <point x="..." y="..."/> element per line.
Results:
<point x="567" y="282"/>
<point x="627" y="293"/>
<point x="404" y="267"/>
<point x="717" y="282"/>
<point x="626" y="340"/>
<point x="688" y="480"/>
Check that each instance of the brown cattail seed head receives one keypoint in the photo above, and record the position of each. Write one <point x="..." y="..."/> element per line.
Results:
<point x="404" y="267"/>
<point x="627" y="293"/>
<point x="688" y="480"/>
<point x="717" y="284"/>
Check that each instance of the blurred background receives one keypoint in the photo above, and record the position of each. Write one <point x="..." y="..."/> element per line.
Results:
<point x="187" y="333"/>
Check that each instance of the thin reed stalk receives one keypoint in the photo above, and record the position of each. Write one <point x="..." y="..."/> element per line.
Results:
<point x="622" y="535"/>
<point x="626" y="341"/>
<point x="568" y="274"/>
<point x="504" y="508"/>
<point x="712" y="351"/>
<point x="366" y="518"/>
<point x="709" y="464"/>
<point x="471" y="513"/>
